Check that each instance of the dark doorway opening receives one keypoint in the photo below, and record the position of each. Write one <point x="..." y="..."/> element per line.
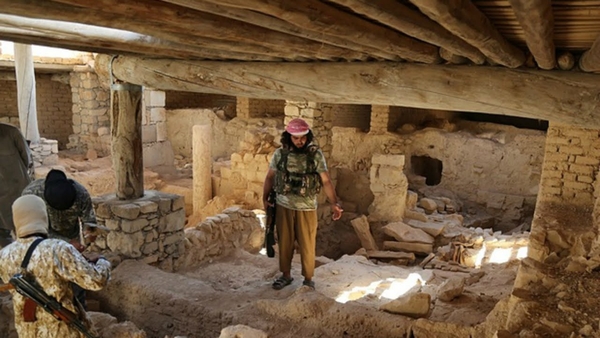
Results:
<point x="428" y="167"/>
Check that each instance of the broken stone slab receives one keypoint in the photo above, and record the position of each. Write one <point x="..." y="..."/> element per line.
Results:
<point x="403" y="232"/>
<point x="415" y="305"/>
<point x="434" y="229"/>
<point x="408" y="247"/>
<point x="412" y="214"/>
<point x="363" y="231"/>
<point x="451" y="288"/>
<point x="391" y="255"/>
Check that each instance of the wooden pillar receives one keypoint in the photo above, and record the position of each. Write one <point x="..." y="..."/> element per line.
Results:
<point x="26" y="102"/>
<point x="126" y="129"/>
<point x="202" y="158"/>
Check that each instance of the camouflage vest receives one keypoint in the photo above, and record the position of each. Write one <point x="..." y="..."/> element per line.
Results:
<point x="303" y="184"/>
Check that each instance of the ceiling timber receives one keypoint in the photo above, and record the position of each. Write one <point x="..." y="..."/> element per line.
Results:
<point x="536" y="36"/>
<point x="493" y="32"/>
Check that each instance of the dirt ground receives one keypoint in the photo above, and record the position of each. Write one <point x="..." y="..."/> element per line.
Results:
<point x="236" y="288"/>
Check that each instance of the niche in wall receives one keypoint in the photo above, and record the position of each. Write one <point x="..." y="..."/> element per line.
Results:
<point x="428" y="167"/>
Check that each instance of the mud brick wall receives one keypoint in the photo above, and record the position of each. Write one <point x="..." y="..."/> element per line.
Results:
<point x="247" y="107"/>
<point x="186" y="100"/>
<point x="571" y="162"/>
<point x="53" y="107"/>
<point x="380" y="119"/>
<point x="351" y="115"/>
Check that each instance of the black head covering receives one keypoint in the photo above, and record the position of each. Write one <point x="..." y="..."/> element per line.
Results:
<point x="59" y="192"/>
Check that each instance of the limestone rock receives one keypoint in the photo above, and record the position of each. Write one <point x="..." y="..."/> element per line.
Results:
<point x="362" y="229"/>
<point x="415" y="305"/>
<point x="405" y="233"/>
<point x="428" y="204"/>
<point x="242" y="331"/>
<point x="411" y="199"/>
<point x="451" y="288"/>
<point x="412" y="214"/>
<point x="408" y="247"/>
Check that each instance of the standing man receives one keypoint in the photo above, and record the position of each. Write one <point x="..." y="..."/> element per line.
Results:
<point x="297" y="172"/>
<point x="68" y="203"/>
<point x="54" y="265"/>
<point x="15" y="163"/>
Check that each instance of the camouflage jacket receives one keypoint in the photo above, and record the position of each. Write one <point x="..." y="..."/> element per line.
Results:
<point x="64" y="224"/>
<point x="55" y="264"/>
<point x="296" y="163"/>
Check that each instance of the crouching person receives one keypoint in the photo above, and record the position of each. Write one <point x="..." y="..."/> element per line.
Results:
<point x="53" y="264"/>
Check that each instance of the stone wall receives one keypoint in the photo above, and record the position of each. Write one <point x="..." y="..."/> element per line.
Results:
<point x="498" y="166"/>
<point x="319" y="118"/>
<point x="44" y="153"/>
<point x="233" y="228"/>
<point x="229" y="136"/>
<point x="91" y="109"/>
<point x="53" y="107"/>
<point x="156" y="147"/>
<point x="148" y="229"/>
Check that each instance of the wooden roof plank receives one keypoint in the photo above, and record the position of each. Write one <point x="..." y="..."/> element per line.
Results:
<point x="71" y="35"/>
<point x="462" y="18"/>
<point x="270" y="22"/>
<point x="176" y="18"/>
<point x="42" y="9"/>
<point x="413" y="23"/>
<point x="535" y="16"/>
<point x="320" y="17"/>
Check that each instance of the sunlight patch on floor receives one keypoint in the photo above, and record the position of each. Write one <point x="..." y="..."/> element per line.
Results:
<point x="389" y="288"/>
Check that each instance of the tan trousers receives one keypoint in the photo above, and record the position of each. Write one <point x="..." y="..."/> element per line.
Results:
<point x="301" y="226"/>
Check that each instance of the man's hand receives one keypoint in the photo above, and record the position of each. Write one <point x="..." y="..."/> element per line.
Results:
<point x="92" y="257"/>
<point x="75" y="242"/>
<point x="336" y="211"/>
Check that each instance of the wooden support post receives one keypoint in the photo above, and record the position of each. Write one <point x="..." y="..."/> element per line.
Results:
<point x="202" y="158"/>
<point x="26" y="103"/>
<point x="126" y="129"/>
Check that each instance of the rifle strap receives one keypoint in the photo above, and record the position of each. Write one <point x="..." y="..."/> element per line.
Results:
<point x="30" y="306"/>
<point x="30" y="252"/>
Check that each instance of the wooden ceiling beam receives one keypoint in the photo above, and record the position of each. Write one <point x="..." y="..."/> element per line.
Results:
<point x="565" y="97"/>
<point x="92" y="38"/>
<point x="590" y="60"/>
<point x="465" y="20"/>
<point x="320" y="17"/>
<point x="43" y="9"/>
<point x="537" y="21"/>
<point x="266" y="21"/>
<point x="413" y="23"/>
<point x="175" y="18"/>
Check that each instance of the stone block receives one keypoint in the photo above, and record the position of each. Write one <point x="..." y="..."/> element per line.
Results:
<point x="127" y="245"/>
<point x="133" y="226"/>
<point x="388" y="160"/>
<point x="164" y="205"/>
<point x="113" y="224"/>
<point x="154" y="98"/>
<point x="127" y="211"/>
<point x="158" y="114"/>
<point x="149" y="248"/>
<point x="451" y="288"/>
<point x="149" y="134"/>
<point x="178" y="203"/>
<point x="174" y="221"/>
<point x="412" y="305"/>
<point x="161" y="131"/>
